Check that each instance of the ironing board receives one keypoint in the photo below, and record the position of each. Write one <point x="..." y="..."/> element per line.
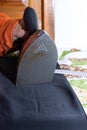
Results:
<point x="46" y="106"/>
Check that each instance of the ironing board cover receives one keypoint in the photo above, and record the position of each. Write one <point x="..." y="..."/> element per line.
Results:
<point x="49" y="106"/>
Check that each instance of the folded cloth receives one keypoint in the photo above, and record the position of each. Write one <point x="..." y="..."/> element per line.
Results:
<point x="7" y="25"/>
<point x="14" y="29"/>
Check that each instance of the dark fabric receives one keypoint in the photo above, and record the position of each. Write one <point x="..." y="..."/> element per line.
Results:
<point x="30" y="20"/>
<point x="50" y="106"/>
<point x="18" y="44"/>
<point x="8" y="66"/>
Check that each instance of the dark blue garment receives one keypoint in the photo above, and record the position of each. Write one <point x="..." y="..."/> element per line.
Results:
<point x="50" y="106"/>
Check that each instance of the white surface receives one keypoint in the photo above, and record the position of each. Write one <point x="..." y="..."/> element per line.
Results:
<point x="71" y="23"/>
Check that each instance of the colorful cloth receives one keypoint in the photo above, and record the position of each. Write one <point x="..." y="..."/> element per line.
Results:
<point x="7" y="25"/>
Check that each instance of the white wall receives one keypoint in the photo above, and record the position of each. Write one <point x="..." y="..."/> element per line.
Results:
<point x="71" y="23"/>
